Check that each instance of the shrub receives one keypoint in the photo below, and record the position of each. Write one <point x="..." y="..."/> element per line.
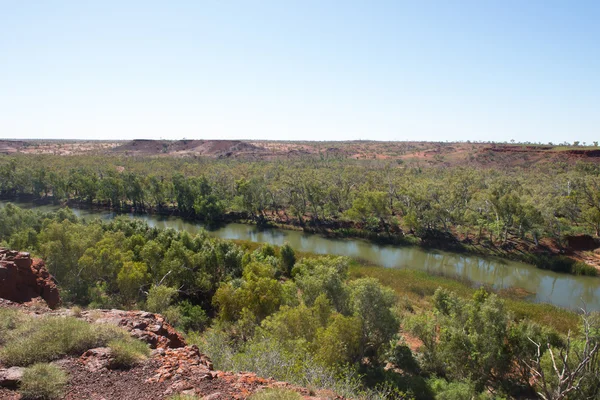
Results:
<point x="455" y="390"/>
<point x="49" y="338"/>
<point x="192" y="317"/>
<point x="76" y="311"/>
<point x="160" y="298"/>
<point x="581" y="268"/>
<point x="43" y="381"/>
<point x="276" y="394"/>
<point x="288" y="258"/>
<point x="127" y="352"/>
<point x="9" y="321"/>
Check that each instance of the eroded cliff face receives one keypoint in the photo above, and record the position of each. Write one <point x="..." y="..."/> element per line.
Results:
<point x="23" y="279"/>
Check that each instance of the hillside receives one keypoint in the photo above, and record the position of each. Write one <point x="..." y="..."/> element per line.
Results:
<point x="422" y="153"/>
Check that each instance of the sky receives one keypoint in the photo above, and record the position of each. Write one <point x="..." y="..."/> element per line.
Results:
<point x="480" y="70"/>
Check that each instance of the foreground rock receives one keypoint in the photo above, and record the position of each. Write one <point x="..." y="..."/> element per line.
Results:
<point x="11" y="377"/>
<point x="147" y="327"/>
<point x="23" y="279"/>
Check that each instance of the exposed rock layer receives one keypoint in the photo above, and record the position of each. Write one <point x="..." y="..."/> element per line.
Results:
<point x="23" y="279"/>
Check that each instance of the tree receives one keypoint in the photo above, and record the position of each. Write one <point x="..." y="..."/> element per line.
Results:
<point x="573" y="369"/>
<point x="371" y="304"/>
<point x="288" y="258"/>
<point x="131" y="279"/>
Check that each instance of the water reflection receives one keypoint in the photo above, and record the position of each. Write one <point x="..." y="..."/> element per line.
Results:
<point x="559" y="289"/>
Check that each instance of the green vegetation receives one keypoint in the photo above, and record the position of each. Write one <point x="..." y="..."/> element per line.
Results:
<point x="322" y="322"/>
<point x="38" y="340"/>
<point x="276" y="394"/>
<point x="180" y="396"/>
<point x="43" y="382"/>
<point x="127" y="352"/>
<point x="484" y="210"/>
<point x="415" y="289"/>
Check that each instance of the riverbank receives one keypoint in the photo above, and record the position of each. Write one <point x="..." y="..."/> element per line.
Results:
<point x="545" y="254"/>
<point x="533" y="284"/>
<point x="415" y="288"/>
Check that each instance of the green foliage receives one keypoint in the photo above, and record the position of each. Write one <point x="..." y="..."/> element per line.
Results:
<point x="339" y="342"/>
<point x="192" y="317"/>
<point x="288" y="258"/>
<point x="371" y="303"/>
<point x="472" y="338"/>
<point x="127" y="352"/>
<point x="445" y="390"/>
<point x="160" y="298"/>
<point x="258" y="292"/>
<point x="130" y="280"/>
<point x="276" y="394"/>
<point x="180" y="396"/>
<point x="43" y="382"/>
<point x="9" y="321"/>
<point x="323" y="275"/>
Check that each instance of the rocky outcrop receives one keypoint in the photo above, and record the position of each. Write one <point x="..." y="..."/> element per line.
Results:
<point x="147" y="327"/>
<point x="23" y="279"/>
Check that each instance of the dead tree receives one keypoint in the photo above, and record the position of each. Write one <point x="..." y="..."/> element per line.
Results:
<point x="569" y="366"/>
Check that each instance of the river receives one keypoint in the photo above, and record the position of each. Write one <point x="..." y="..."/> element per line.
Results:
<point x="563" y="290"/>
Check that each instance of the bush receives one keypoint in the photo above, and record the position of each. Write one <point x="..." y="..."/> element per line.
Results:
<point x="43" y="381"/>
<point x="581" y="268"/>
<point x="192" y="318"/>
<point x="276" y="394"/>
<point x="127" y="352"/>
<point x="9" y="321"/>
<point x="49" y="338"/>
<point x="160" y="298"/>
<point x="288" y="258"/>
<point x="455" y="390"/>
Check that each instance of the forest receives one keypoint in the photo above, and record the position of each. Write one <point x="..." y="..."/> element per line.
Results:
<point x="522" y="212"/>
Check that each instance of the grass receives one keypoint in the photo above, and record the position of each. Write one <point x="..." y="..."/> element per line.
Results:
<point x="45" y="339"/>
<point x="275" y="394"/>
<point x="418" y="286"/>
<point x="127" y="352"/>
<point x="9" y="320"/>
<point x="43" y="382"/>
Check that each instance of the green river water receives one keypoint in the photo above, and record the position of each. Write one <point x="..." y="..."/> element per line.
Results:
<point x="546" y="286"/>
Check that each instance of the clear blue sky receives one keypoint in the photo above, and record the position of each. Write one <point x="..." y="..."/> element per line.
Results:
<point x="527" y="70"/>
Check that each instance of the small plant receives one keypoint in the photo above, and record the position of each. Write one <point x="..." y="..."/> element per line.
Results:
<point x="95" y="315"/>
<point x="276" y="394"/>
<point x="76" y="311"/>
<point x="180" y="396"/>
<point x="43" y="382"/>
<point x="128" y="352"/>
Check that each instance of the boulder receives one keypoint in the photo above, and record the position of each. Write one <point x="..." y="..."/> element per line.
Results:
<point x="23" y="279"/>
<point x="11" y="377"/>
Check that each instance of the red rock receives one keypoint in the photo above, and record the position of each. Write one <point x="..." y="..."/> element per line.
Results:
<point x="581" y="242"/>
<point x="23" y="279"/>
<point x="147" y="327"/>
